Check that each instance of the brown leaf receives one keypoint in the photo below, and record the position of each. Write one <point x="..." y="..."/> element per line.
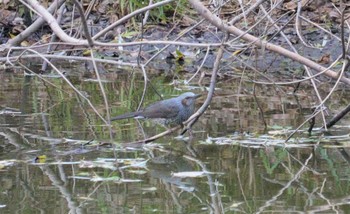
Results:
<point x="292" y="5"/>
<point x="6" y="16"/>
<point x="325" y="59"/>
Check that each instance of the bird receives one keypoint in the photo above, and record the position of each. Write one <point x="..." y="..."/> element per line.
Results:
<point x="169" y="112"/>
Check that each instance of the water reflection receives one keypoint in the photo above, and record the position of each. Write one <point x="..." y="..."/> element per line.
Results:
<point x="234" y="179"/>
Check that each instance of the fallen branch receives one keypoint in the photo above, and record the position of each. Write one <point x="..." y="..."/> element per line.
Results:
<point x="220" y="24"/>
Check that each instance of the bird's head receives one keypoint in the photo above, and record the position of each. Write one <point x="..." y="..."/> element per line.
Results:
<point x="188" y="98"/>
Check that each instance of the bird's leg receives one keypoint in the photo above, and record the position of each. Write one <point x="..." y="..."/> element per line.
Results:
<point x="190" y="133"/>
<point x="140" y="129"/>
<point x="181" y="136"/>
<point x="190" y="148"/>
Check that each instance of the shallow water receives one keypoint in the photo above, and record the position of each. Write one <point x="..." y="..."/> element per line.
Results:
<point x="52" y="160"/>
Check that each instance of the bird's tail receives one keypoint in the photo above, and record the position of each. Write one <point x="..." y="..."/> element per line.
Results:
<point x="125" y="116"/>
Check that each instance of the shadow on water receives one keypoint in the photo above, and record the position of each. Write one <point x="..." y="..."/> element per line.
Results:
<point x="51" y="160"/>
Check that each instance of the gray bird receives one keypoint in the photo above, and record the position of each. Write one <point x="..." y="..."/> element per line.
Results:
<point x="169" y="112"/>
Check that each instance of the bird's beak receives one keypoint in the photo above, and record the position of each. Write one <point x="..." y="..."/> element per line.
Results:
<point x="196" y="96"/>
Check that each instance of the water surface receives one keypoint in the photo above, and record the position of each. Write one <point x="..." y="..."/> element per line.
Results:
<point x="52" y="160"/>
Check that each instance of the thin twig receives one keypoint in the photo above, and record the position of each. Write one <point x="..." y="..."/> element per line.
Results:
<point x="203" y="11"/>
<point x="200" y="67"/>
<point x="153" y="138"/>
<point x="70" y="84"/>
<point x="297" y="175"/>
<point x="54" y="36"/>
<point x="145" y="80"/>
<point x="320" y="27"/>
<point x="298" y="25"/>
<point x="305" y="67"/>
<point x="240" y="16"/>
<point x="207" y="101"/>
<point x="302" y="80"/>
<point x="129" y="16"/>
<point x="84" y="24"/>
<point x="36" y="25"/>
<point x="102" y="92"/>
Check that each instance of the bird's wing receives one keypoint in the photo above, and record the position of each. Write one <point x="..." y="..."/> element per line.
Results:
<point x="161" y="110"/>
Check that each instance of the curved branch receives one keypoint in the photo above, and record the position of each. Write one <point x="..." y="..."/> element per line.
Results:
<point x="205" y="105"/>
<point x="127" y="17"/>
<point x="203" y="11"/>
<point x="52" y="22"/>
<point x="36" y="25"/>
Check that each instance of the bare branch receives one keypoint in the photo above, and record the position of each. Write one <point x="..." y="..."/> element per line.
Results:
<point x="203" y="11"/>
